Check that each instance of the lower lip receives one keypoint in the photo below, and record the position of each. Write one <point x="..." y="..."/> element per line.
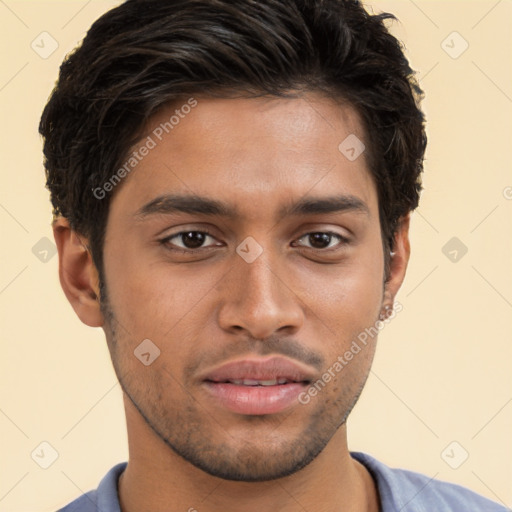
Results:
<point x="255" y="400"/>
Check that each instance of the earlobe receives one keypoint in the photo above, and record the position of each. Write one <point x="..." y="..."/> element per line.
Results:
<point x="77" y="273"/>
<point x="399" y="259"/>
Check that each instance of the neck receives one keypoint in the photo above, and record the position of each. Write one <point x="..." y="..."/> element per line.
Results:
<point x="157" y="478"/>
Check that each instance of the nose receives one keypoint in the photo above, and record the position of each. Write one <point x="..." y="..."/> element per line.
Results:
<point x="259" y="298"/>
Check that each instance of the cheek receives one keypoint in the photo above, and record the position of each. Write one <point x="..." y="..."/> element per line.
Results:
<point x="347" y="306"/>
<point x="153" y="298"/>
<point x="351" y="292"/>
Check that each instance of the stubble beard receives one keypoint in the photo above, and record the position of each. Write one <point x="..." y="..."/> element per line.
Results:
<point x="198" y="438"/>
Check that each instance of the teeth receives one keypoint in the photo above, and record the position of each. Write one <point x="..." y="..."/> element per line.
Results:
<point x="268" y="382"/>
<point x="250" y="382"/>
<point x="254" y="382"/>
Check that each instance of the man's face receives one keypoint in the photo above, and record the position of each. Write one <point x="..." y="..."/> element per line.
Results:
<point x="304" y="298"/>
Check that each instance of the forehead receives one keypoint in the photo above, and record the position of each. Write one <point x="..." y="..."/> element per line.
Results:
<point x="247" y="151"/>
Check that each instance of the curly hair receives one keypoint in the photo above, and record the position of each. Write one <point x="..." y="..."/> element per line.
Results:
<point x="144" y="54"/>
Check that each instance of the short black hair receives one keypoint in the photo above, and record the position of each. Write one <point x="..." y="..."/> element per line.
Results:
<point x="144" y="54"/>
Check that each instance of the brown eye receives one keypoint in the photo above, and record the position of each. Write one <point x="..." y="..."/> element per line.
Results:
<point x="188" y="240"/>
<point x="192" y="239"/>
<point x="321" y="240"/>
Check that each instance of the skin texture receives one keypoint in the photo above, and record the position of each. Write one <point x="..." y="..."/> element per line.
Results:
<point x="209" y="307"/>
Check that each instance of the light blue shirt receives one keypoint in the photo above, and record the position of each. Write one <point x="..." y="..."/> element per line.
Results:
<point x="399" y="491"/>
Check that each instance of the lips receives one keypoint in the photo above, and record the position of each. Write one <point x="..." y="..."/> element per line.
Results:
<point x="257" y="386"/>
<point x="252" y="372"/>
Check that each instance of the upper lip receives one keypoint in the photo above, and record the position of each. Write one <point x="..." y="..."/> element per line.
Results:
<point x="260" y="369"/>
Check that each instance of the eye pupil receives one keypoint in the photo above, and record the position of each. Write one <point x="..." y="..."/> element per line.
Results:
<point x="193" y="239"/>
<point x="320" y="240"/>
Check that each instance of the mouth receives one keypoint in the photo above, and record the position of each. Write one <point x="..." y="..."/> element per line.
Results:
<point x="257" y="387"/>
<point x="258" y="382"/>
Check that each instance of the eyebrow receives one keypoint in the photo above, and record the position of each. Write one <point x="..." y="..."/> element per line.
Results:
<point x="169" y="204"/>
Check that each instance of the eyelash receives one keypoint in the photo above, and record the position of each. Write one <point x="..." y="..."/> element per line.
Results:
<point x="165" y="241"/>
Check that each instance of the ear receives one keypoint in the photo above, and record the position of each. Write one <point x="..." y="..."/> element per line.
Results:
<point x="398" y="262"/>
<point x="77" y="273"/>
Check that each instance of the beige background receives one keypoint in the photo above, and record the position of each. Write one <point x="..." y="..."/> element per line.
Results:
<point x="442" y="371"/>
